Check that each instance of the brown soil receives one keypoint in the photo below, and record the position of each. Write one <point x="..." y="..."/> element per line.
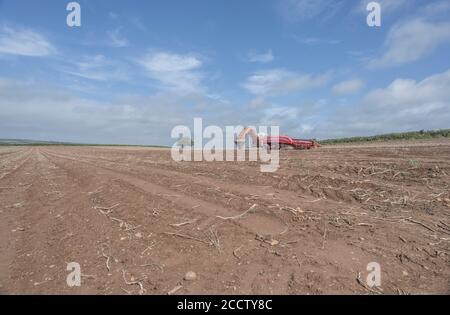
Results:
<point x="314" y="225"/>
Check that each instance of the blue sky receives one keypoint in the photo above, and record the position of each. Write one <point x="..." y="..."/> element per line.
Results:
<point x="136" y="69"/>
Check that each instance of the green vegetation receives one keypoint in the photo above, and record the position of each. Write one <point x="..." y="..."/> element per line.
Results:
<point x="414" y="135"/>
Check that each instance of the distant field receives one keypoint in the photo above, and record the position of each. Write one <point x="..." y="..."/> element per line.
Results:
<point x="12" y="142"/>
<point x="414" y="135"/>
<point x="24" y="142"/>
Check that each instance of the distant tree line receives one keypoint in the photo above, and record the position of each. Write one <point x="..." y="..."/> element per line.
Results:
<point x="413" y="135"/>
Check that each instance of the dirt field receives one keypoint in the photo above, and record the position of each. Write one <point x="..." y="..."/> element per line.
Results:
<point x="136" y="221"/>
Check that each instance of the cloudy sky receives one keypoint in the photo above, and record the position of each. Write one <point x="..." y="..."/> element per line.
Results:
<point x="136" y="69"/>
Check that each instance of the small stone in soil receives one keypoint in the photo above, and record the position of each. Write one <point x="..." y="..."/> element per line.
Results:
<point x="190" y="276"/>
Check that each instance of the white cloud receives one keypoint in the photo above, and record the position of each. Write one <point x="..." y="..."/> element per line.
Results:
<point x="50" y="113"/>
<point x="170" y="62"/>
<point x="257" y="102"/>
<point x="174" y="71"/>
<point x="261" y="58"/>
<point x="409" y="95"/>
<point x="296" y="120"/>
<point x="116" y="40"/>
<point x="30" y="110"/>
<point x="97" y="68"/>
<point x="24" y="42"/>
<point x="280" y="113"/>
<point x="412" y="40"/>
<point x="278" y="82"/>
<point x="403" y="105"/>
<point x="306" y="129"/>
<point x="348" y="87"/>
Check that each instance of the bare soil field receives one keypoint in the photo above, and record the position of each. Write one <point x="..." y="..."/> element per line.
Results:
<point x="137" y="222"/>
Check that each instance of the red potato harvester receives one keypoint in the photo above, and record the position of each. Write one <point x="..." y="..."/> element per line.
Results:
<point x="276" y="142"/>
